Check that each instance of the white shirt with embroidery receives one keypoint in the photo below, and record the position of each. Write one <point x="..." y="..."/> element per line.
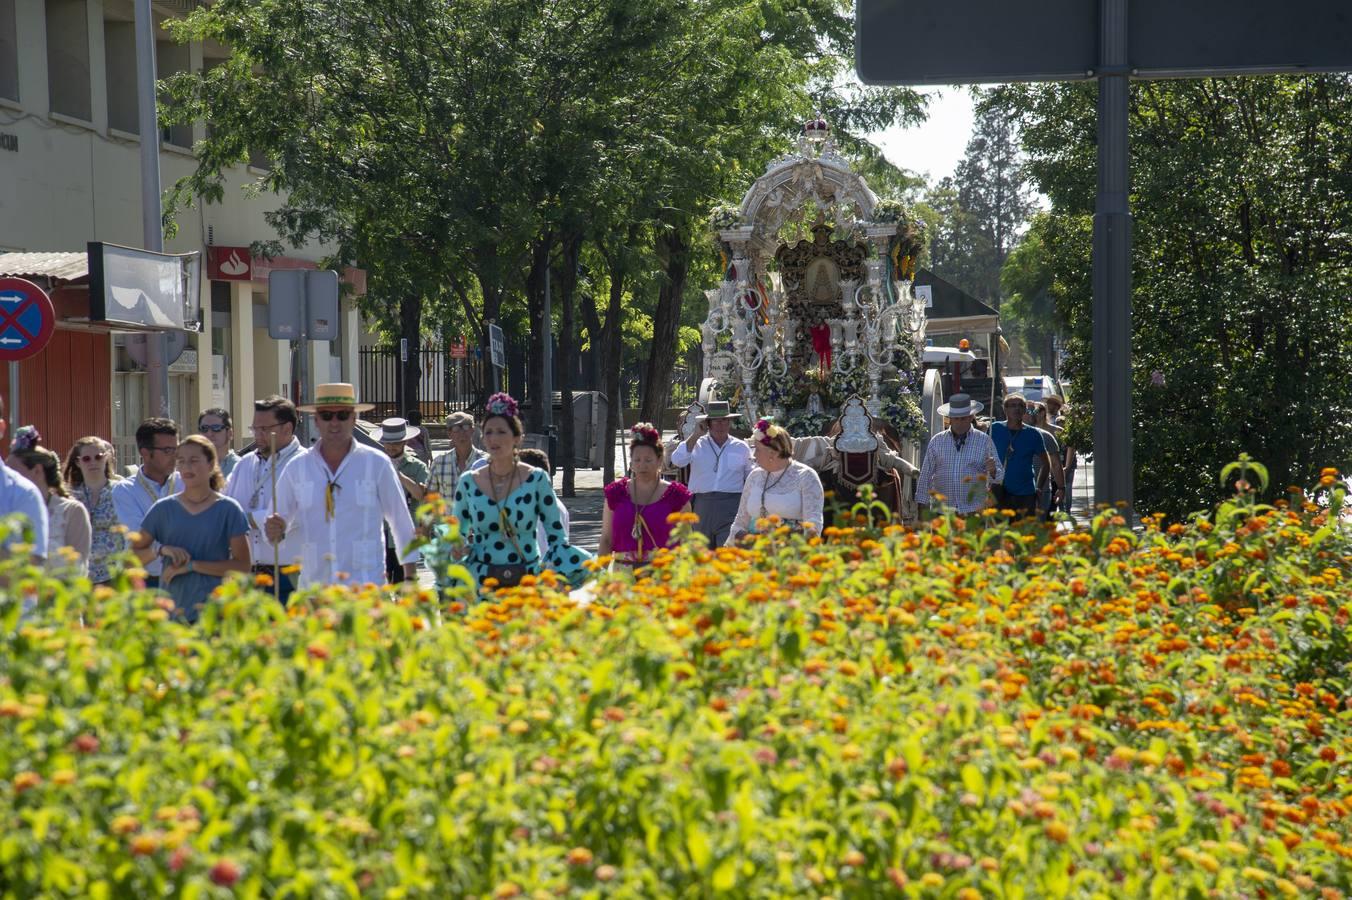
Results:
<point x="793" y="494"/>
<point x="349" y="545"/>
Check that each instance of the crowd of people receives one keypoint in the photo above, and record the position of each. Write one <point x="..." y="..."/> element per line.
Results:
<point x="1019" y="464"/>
<point x="194" y="510"/>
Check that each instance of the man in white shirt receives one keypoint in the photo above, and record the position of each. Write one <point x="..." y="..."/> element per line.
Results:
<point x="156" y="442"/>
<point x="333" y="497"/>
<point x="250" y="484"/>
<point x="960" y="462"/>
<point x="719" y="464"/>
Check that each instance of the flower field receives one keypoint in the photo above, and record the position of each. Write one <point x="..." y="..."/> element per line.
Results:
<point x="963" y="711"/>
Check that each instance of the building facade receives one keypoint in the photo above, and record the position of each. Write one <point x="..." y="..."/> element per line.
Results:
<point x="70" y="174"/>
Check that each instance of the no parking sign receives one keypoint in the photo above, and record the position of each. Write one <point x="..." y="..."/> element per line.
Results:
<point x="27" y="319"/>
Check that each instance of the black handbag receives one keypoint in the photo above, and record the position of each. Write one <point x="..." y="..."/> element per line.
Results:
<point x="509" y="574"/>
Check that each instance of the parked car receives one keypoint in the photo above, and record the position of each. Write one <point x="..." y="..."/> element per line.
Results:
<point x="1035" y="388"/>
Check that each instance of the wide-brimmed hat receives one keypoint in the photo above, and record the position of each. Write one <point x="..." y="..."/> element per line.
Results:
<point x="718" y="409"/>
<point x="396" y="431"/>
<point x="336" y="396"/>
<point x="960" y="405"/>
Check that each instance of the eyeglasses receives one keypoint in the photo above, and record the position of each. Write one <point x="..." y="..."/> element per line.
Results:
<point x="214" y="429"/>
<point x="462" y="428"/>
<point x="267" y="429"/>
<point x="329" y="415"/>
<point x="163" y="449"/>
<point x="1015" y="406"/>
<point x="97" y="457"/>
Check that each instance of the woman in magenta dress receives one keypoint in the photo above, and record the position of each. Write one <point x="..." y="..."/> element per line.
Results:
<point x="634" y="522"/>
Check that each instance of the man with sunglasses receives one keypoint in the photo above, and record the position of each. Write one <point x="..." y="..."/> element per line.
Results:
<point x="333" y="498"/>
<point x="155" y="479"/>
<point x="214" y="425"/>
<point x="1021" y="449"/>
<point x="250" y="484"/>
<point x="449" y="466"/>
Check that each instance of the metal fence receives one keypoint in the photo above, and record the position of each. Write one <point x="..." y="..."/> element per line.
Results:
<point x="445" y="382"/>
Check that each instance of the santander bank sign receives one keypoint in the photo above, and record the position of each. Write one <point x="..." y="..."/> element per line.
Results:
<point x="229" y="264"/>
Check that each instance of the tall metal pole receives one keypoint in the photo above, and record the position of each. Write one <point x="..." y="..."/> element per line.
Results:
<point x="1112" y="267"/>
<point x="157" y="343"/>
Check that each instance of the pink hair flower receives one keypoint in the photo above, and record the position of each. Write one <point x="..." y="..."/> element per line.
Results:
<point x="501" y="404"/>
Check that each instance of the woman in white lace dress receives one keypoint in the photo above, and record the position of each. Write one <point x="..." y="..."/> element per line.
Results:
<point x="778" y="487"/>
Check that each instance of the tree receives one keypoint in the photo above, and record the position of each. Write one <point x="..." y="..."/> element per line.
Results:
<point x="1028" y="281"/>
<point x="983" y="208"/>
<point x="1242" y="322"/>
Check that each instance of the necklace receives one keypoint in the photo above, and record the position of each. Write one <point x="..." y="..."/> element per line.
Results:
<point x="768" y="484"/>
<point x="718" y="452"/>
<point x="145" y="483"/>
<point x="640" y="507"/>
<point x="503" y="519"/>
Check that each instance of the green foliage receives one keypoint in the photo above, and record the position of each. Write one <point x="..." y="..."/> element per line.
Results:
<point x="982" y="209"/>
<point x="1242" y="303"/>
<point x="971" y="707"/>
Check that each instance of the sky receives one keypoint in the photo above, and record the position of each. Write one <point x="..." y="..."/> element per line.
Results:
<point x="935" y="147"/>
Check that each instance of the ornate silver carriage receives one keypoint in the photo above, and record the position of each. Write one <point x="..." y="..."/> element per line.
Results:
<point x="815" y="322"/>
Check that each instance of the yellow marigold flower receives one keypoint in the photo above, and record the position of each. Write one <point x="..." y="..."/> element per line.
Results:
<point x="932" y="880"/>
<point x="63" y="776"/>
<point x="125" y="824"/>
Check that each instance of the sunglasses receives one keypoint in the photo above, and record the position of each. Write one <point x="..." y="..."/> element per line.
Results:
<point x="214" y="429"/>
<point x="329" y="415"/>
<point x="97" y="457"/>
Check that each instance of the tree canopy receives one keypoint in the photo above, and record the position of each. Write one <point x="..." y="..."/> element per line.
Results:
<point x="1242" y="322"/>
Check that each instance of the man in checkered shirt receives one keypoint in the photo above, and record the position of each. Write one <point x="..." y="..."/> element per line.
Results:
<point x="960" y="462"/>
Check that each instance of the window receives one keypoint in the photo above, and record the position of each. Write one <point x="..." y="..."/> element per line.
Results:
<point x="9" y="51"/>
<point x="119" y="41"/>
<point x="170" y="59"/>
<point x="68" y="58"/>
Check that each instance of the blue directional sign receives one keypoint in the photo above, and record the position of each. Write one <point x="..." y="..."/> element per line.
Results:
<point x="27" y="319"/>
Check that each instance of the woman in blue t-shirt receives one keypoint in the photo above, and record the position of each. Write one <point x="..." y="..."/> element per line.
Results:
<point x="201" y="533"/>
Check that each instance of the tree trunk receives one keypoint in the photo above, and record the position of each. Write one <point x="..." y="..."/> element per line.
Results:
<point x="567" y="284"/>
<point x="673" y="252"/>
<point x="410" y="369"/>
<point x="535" y="304"/>
<point x="614" y="350"/>
<point x="591" y="320"/>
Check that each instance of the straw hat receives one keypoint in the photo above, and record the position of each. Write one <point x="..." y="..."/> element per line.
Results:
<point x="718" y="409"/>
<point x="336" y="396"/>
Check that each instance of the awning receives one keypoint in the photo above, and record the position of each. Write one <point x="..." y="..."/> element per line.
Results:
<point x="56" y="266"/>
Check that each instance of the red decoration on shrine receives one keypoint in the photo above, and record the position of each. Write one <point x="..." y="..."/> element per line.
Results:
<point x="821" y="344"/>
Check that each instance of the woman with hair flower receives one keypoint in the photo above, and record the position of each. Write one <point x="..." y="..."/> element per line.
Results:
<point x="67" y="519"/>
<point x="779" y="486"/>
<point x="500" y="506"/>
<point x="634" y="519"/>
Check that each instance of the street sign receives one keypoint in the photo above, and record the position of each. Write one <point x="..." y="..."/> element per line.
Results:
<point x="303" y="304"/>
<point x="139" y="290"/>
<point x="175" y="343"/>
<point x="27" y="319"/>
<point x="1113" y="41"/>
<point x="497" y="347"/>
<point x="993" y="41"/>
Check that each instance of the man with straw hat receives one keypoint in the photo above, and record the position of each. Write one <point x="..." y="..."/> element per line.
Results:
<point x="253" y="481"/>
<point x="960" y="461"/>
<point x="719" y="464"/>
<point x="335" y="496"/>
